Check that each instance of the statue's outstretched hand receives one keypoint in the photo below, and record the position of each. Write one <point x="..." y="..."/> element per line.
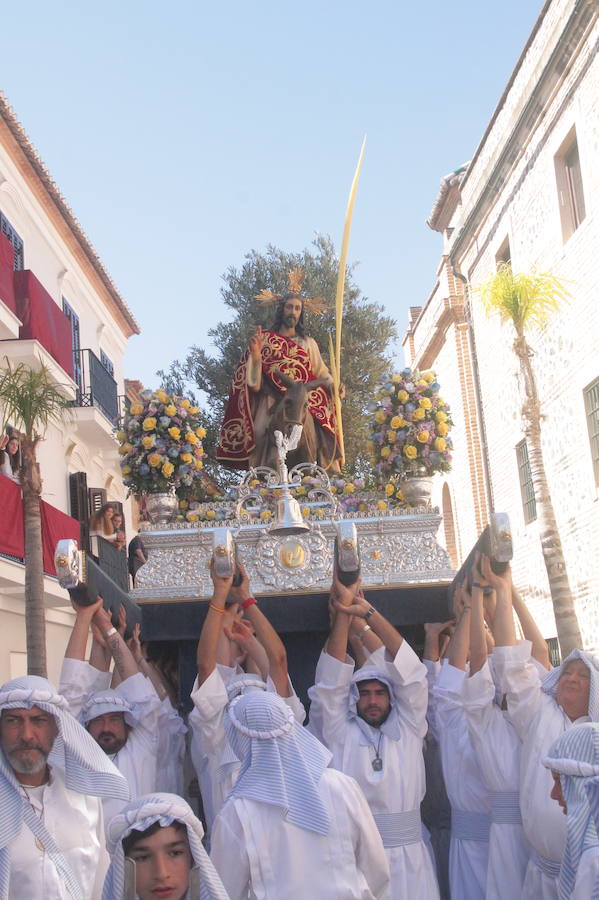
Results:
<point x="255" y="344"/>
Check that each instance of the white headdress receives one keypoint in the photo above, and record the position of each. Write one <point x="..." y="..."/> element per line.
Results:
<point x="164" y="809"/>
<point x="86" y="768"/>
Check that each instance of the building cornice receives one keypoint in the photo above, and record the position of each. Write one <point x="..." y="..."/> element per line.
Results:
<point x="579" y="23"/>
<point x="46" y="190"/>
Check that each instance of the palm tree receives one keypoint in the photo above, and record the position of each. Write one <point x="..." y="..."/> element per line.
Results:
<point x="31" y="401"/>
<point x="527" y="301"/>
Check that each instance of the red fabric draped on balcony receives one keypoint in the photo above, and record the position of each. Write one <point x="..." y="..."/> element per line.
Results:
<point x="43" y="320"/>
<point x="56" y="526"/>
<point x="12" y="539"/>
<point x="7" y="288"/>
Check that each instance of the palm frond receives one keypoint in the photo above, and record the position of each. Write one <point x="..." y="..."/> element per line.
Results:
<point x="525" y="299"/>
<point x="31" y="399"/>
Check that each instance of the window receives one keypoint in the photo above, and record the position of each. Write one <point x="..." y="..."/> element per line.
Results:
<point x="75" y="343"/>
<point x="16" y="241"/>
<point x="591" y="405"/>
<point x="106" y="363"/>
<point x="569" y="185"/>
<point x="504" y="254"/>
<point x="529" y="503"/>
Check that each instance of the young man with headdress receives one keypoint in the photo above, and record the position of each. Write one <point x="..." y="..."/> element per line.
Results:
<point x="373" y="720"/>
<point x="541" y="710"/>
<point x="123" y="721"/>
<point x="52" y="778"/>
<point x="162" y="837"/>
<point x="292" y="827"/>
<point x="218" y="682"/>
<point x="257" y="385"/>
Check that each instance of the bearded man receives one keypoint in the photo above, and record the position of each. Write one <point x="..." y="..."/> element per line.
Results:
<point x="258" y="385"/>
<point x="52" y="776"/>
<point x="373" y="721"/>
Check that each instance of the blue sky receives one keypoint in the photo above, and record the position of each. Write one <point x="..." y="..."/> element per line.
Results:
<point x="185" y="134"/>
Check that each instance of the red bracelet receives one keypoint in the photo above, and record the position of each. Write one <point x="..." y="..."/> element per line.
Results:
<point x="249" y="601"/>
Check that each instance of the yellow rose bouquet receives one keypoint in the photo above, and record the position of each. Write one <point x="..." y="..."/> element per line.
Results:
<point x="160" y="443"/>
<point x="410" y="425"/>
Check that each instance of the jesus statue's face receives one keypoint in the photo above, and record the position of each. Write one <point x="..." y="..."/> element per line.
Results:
<point x="292" y="310"/>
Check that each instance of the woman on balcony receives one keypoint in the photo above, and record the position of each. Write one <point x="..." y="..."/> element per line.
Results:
<point x="10" y="456"/>
<point x="118" y="527"/>
<point x="101" y="524"/>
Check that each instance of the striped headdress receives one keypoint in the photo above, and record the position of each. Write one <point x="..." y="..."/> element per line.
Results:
<point x="86" y="768"/>
<point x="141" y="814"/>
<point x="575" y="756"/>
<point x="281" y="762"/>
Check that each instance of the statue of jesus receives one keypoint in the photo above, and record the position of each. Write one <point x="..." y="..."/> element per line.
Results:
<point x="257" y="385"/>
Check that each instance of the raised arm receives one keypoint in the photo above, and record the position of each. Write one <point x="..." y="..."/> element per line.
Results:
<point x="504" y="630"/>
<point x="478" y="640"/>
<point x="146" y="668"/>
<point x="339" y="634"/>
<point x="531" y="630"/>
<point x="432" y="639"/>
<point x="123" y="658"/>
<point x="77" y="645"/>
<point x="266" y="635"/>
<point x="459" y="645"/>
<point x="212" y="627"/>
<point x="383" y="629"/>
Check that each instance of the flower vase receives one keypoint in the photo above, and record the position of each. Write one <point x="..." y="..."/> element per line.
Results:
<point x="417" y="489"/>
<point x="161" y="507"/>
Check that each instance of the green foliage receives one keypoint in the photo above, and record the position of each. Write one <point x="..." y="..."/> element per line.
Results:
<point x="31" y="399"/>
<point x="524" y="299"/>
<point x="367" y="334"/>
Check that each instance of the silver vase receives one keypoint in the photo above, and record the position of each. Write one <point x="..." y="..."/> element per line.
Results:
<point x="417" y="489"/>
<point x="161" y="508"/>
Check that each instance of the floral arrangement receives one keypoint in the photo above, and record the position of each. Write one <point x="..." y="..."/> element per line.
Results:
<point x="410" y="428"/>
<point x="161" y="444"/>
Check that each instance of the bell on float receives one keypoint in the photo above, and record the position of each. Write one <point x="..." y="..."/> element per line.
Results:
<point x="289" y="516"/>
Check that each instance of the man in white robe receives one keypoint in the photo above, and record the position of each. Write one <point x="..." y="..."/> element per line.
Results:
<point x="292" y="828"/>
<point x="540" y="709"/>
<point x="52" y="778"/>
<point x="123" y="721"/>
<point x="374" y="723"/>
<point x="215" y="764"/>
<point x="573" y="761"/>
<point x="468" y="796"/>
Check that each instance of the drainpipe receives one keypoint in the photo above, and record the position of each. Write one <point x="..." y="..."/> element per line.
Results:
<point x="477" y="388"/>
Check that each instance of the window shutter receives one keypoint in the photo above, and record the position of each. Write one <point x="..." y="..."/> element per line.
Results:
<point x="80" y="505"/>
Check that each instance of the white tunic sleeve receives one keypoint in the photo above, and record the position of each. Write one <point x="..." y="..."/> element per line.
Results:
<point x="141" y="693"/>
<point x="329" y="696"/>
<point x="521" y="682"/>
<point x="207" y="716"/>
<point x="433" y="667"/>
<point x="78" y="679"/>
<point x="228" y="852"/>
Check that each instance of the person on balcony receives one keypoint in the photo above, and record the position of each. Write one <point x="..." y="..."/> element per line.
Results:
<point x="123" y="721"/>
<point x="119" y="529"/>
<point x="10" y="456"/>
<point x="101" y="524"/>
<point x="52" y="827"/>
<point x="373" y="721"/>
<point x="137" y="556"/>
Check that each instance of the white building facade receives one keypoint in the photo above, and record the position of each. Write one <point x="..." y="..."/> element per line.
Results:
<point x="67" y="313"/>
<point x="529" y="196"/>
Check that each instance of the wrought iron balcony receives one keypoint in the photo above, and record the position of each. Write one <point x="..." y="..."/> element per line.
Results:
<point x="95" y="385"/>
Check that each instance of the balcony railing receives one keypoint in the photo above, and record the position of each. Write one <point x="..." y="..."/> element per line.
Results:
<point x="95" y="385"/>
